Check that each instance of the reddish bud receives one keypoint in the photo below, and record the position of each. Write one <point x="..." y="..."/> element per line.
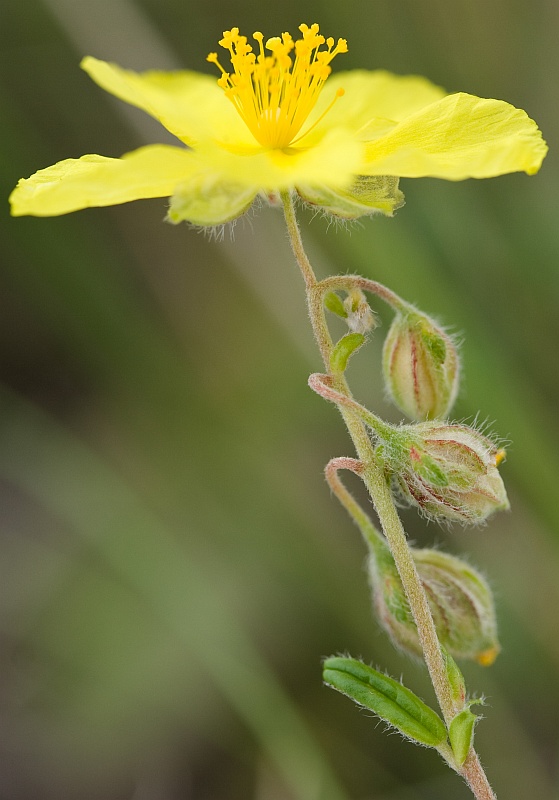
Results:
<point x="421" y="366"/>
<point x="448" y="471"/>
<point x="459" y="597"/>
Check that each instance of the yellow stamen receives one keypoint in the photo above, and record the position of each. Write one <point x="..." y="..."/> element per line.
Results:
<point x="487" y="657"/>
<point x="274" y="94"/>
<point x="339" y="93"/>
<point x="500" y="456"/>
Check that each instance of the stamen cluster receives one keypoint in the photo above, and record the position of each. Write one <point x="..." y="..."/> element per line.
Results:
<point x="274" y="94"/>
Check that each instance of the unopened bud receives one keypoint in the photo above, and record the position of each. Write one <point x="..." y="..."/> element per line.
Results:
<point x="459" y="597"/>
<point x="448" y="471"/>
<point x="421" y="366"/>
<point x="360" y="318"/>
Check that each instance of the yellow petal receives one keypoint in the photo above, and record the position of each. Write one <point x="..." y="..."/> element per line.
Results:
<point x="374" y="95"/>
<point x="93" y="180"/>
<point x="189" y="104"/>
<point x="331" y="161"/>
<point x="458" y="137"/>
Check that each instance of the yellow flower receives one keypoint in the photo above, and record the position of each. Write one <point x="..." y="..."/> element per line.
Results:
<point x="274" y="123"/>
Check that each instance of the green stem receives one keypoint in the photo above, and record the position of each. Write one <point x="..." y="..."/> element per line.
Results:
<point x="472" y="769"/>
<point x="322" y="385"/>
<point x="372" y="536"/>
<point x="374" y="478"/>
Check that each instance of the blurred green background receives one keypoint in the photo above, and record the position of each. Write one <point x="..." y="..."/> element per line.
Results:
<point x="173" y="567"/>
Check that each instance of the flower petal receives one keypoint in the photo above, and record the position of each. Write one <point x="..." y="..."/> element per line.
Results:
<point x="374" y="95"/>
<point x="92" y="180"/>
<point x="189" y="104"/>
<point x="460" y="136"/>
<point x="333" y="161"/>
<point x="207" y="200"/>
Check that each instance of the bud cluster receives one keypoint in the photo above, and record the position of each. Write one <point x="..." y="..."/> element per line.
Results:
<point x="448" y="471"/>
<point x="421" y="366"/>
<point x="459" y="597"/>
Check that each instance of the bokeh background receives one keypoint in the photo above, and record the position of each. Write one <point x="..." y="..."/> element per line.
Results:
<point x="173" y="567"/>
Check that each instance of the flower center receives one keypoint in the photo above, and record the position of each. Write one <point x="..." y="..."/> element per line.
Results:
<point x="274" y="94"/>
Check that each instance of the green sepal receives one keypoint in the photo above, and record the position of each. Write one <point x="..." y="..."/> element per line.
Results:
<point x="428" y="469"/>
<point x="435" y="344"/>
<point x="333" y="303"/>
<point x="461" y="734"/>
<point x="387" y="698"/>
<point x="430" y="336"/>
<point x="209" y="203"/>
<point x="343" y="350"/>
<point x="367" y="195"/>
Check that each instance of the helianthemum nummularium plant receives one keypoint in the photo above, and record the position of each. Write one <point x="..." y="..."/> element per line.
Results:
<point x="276" y="125"/>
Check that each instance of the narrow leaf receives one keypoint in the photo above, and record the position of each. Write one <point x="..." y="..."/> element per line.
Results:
<point x="344" y="349"/>
<point x="461" y="734"/>
<point x="389" y="700"/>
<point x="333" y="303"/>
<point x="455" y="678"/>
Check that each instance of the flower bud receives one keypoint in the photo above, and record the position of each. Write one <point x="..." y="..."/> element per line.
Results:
<point x="459" y="597"/>
<point x="448" y="471"/>
<point x="359" y="315"/>
<point x="421" y="366"/>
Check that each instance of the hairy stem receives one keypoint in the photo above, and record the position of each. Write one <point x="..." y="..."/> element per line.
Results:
<point x="322" y="385"/>
<point x="373" y="476"/>
<point x="357" y="282"/>
<point x="371" y="535"/>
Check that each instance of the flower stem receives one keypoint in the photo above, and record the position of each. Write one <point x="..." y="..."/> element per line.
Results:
<point x="370" y="533"/>
<point x="357" y="282"/>
<point x="374" y="478"/>
<point x="322" y="385"/>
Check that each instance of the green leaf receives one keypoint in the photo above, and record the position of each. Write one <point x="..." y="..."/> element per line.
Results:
<point x="344" y="349"/>
<point x="333" y="303"/>
<point x="389" y="700"/>
<point x="455" y="678"/>
<point x="461" y="734"/>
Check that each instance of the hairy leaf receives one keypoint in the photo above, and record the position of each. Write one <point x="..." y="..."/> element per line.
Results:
<point x="389" y="700"/>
